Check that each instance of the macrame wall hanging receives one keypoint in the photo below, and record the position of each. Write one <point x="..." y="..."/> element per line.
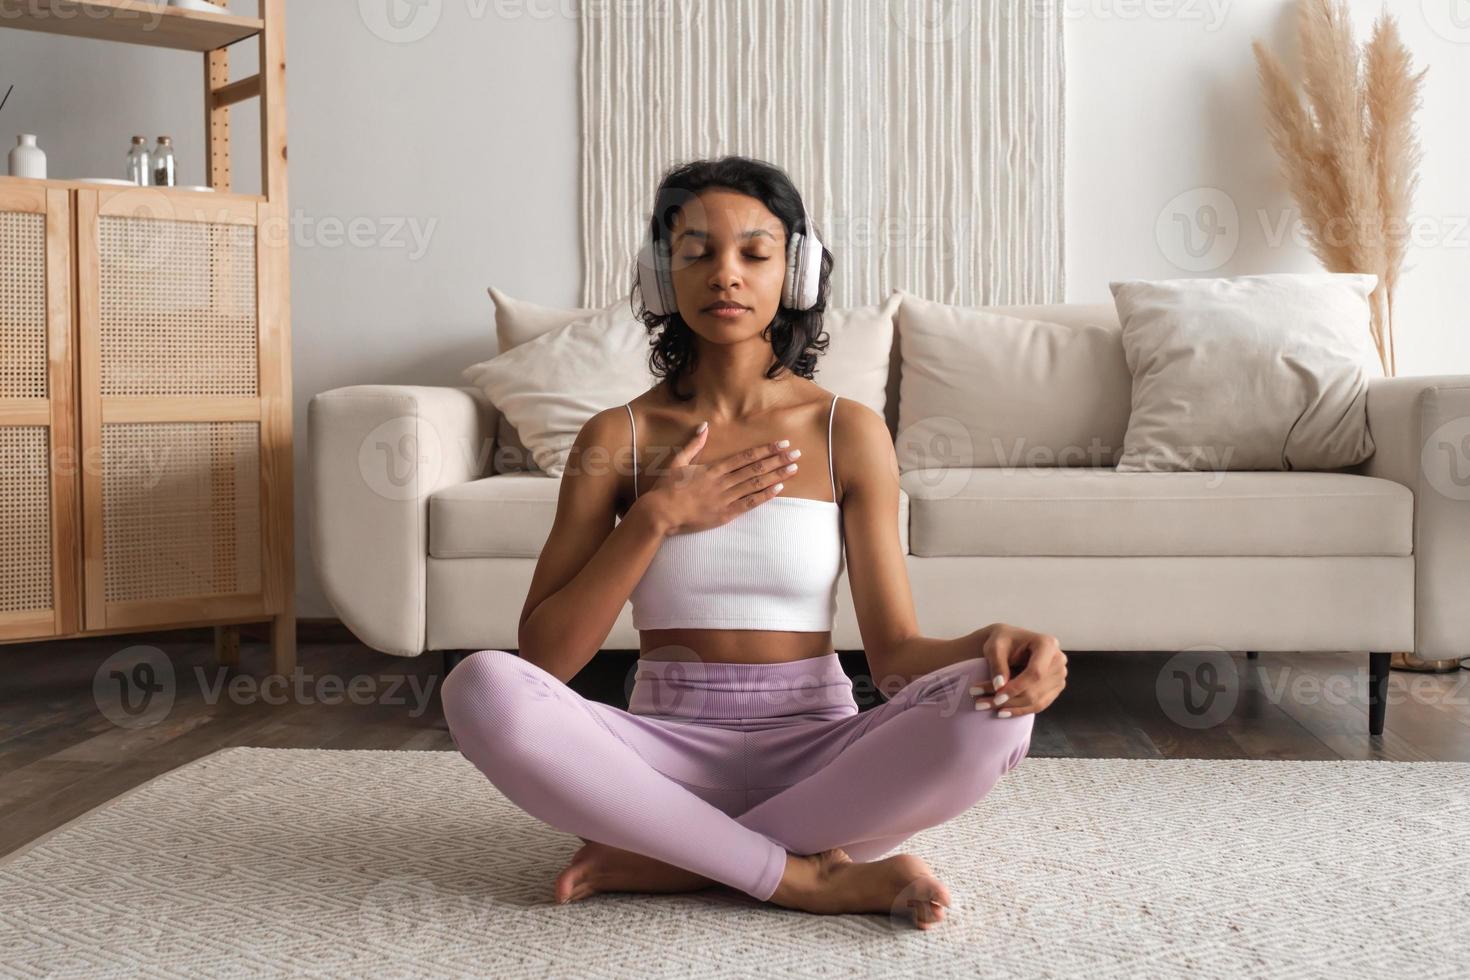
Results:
<point x="924" y="135"/>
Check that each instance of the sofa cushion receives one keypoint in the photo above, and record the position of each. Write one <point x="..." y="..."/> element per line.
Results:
<point x="1010" y="386"/>
<point x="510" y="515"/>
<point x="1079" y="512"/>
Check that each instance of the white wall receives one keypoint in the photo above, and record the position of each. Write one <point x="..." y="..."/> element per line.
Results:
<point x="434" y="157"/>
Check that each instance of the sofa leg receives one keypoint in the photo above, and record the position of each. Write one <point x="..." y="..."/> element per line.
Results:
<point x="1378" y="668"/>
<point x="1252" y="654"/>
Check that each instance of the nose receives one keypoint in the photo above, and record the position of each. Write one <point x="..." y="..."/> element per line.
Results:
<point x="725" y="274"/>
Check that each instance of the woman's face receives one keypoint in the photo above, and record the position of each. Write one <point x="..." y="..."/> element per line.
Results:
<point x="728" y="264"/>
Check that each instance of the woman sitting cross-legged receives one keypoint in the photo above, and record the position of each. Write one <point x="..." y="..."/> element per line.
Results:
<point x="742" y="759"/>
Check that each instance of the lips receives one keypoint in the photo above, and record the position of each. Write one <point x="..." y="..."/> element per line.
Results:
<point x="725" y="308"/>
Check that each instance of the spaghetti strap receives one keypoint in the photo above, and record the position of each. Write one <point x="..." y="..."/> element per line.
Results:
<point x="830" y="472"/>
<point x="634" y="426"/>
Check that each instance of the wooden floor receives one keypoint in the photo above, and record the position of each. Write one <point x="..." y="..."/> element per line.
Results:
<point x="61" y="754"/>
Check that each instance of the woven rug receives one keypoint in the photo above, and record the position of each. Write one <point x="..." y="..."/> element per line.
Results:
<point x="319" y="863"/>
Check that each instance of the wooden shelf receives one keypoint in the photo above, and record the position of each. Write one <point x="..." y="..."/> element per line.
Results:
<point x="185" y="196"/>
<point x="129" y="21"/>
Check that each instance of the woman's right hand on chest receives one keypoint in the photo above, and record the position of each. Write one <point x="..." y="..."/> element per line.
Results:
<point x="694" y="496"/>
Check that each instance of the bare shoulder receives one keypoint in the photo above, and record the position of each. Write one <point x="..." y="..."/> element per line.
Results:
<point x="608" y="429"/>
<point x="599" y="441"/>
<point x="862" y="448"/>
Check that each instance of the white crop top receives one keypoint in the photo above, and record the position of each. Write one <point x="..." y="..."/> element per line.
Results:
<point x="773" y="567"/>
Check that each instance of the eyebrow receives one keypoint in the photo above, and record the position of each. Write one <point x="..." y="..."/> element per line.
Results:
<point x="704" y="235"/>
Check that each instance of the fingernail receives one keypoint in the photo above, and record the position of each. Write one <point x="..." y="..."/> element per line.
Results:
<point x="977" y="689"/>
<point x="783" y="443"/>
<point x="997" y="680"/>
<point x="702" y="427"/>
<point x="981" y="705"/>
<point x="778" y="486"/>
<point x="1001" y="698"/>
<point x="1002" y="714"/>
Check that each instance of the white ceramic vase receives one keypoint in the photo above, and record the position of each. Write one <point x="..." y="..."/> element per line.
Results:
<point x="27" y="159"/>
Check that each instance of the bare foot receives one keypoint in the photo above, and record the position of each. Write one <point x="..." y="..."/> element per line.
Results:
<point x="831" y="883"/>
<point x="598" y="867"/>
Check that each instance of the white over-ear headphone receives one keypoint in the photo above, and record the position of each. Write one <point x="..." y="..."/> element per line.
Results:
<point x="798" y="290"/>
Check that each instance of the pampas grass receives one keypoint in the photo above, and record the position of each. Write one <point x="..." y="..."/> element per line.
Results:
<point x="1350" y="152"/>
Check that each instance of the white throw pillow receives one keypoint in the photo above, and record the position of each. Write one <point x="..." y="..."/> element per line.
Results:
<point x="981" y="388"/>
<point x="517" y="322"/>
<point x="1265" y="372"/>
<point x="549" y="387"/>
<point x="564" y="366"/>
<point x="860" y="342"/>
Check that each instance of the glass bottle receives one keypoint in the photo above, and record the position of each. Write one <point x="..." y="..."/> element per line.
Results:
<point x="140" y="170"/>
<point x="163" y="162"/>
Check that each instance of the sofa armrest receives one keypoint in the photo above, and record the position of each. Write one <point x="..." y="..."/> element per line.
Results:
<point x="1421" y="431"/>
<point x="376" y="453"/>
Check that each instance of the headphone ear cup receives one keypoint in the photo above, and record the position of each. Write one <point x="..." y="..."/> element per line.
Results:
<point x="790" y="286"/>
<point x="803" y="272"/>
<point x="654" y="282"/>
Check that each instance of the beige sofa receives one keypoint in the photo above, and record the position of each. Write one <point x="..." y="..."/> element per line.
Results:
<point x="420" y="546"/>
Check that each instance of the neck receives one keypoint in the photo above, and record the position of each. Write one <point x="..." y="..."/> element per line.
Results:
<point x="729" y="381"/>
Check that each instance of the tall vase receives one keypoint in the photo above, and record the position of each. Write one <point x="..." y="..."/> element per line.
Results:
<point x="27" y="159"/>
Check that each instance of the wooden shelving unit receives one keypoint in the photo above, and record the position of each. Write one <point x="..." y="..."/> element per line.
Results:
<point x="131" y="22"/>
<point x="147" y="341"/>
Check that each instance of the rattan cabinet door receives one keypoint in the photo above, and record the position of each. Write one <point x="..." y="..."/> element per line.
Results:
<point x="171" y="407"/>
<point x="38" y="447"/>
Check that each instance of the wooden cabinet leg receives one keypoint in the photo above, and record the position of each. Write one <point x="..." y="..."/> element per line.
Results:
<point x="283" y="643"/>
<point x="227" y="645"/>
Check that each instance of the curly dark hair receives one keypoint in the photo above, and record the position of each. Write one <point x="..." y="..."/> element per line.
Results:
<point x="796" y="336"/>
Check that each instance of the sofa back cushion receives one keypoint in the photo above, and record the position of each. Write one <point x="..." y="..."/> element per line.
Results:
<point x="1010" y="386"/>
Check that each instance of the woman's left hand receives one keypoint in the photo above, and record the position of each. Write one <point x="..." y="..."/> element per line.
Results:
<point x="1041" y="677"/>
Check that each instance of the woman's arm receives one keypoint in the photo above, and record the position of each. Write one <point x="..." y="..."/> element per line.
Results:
<point x="590" y="563"/>
<point x="877" y="574"/>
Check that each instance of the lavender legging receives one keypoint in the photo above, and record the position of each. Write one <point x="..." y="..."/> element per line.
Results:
<point x="722" y="769"/>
